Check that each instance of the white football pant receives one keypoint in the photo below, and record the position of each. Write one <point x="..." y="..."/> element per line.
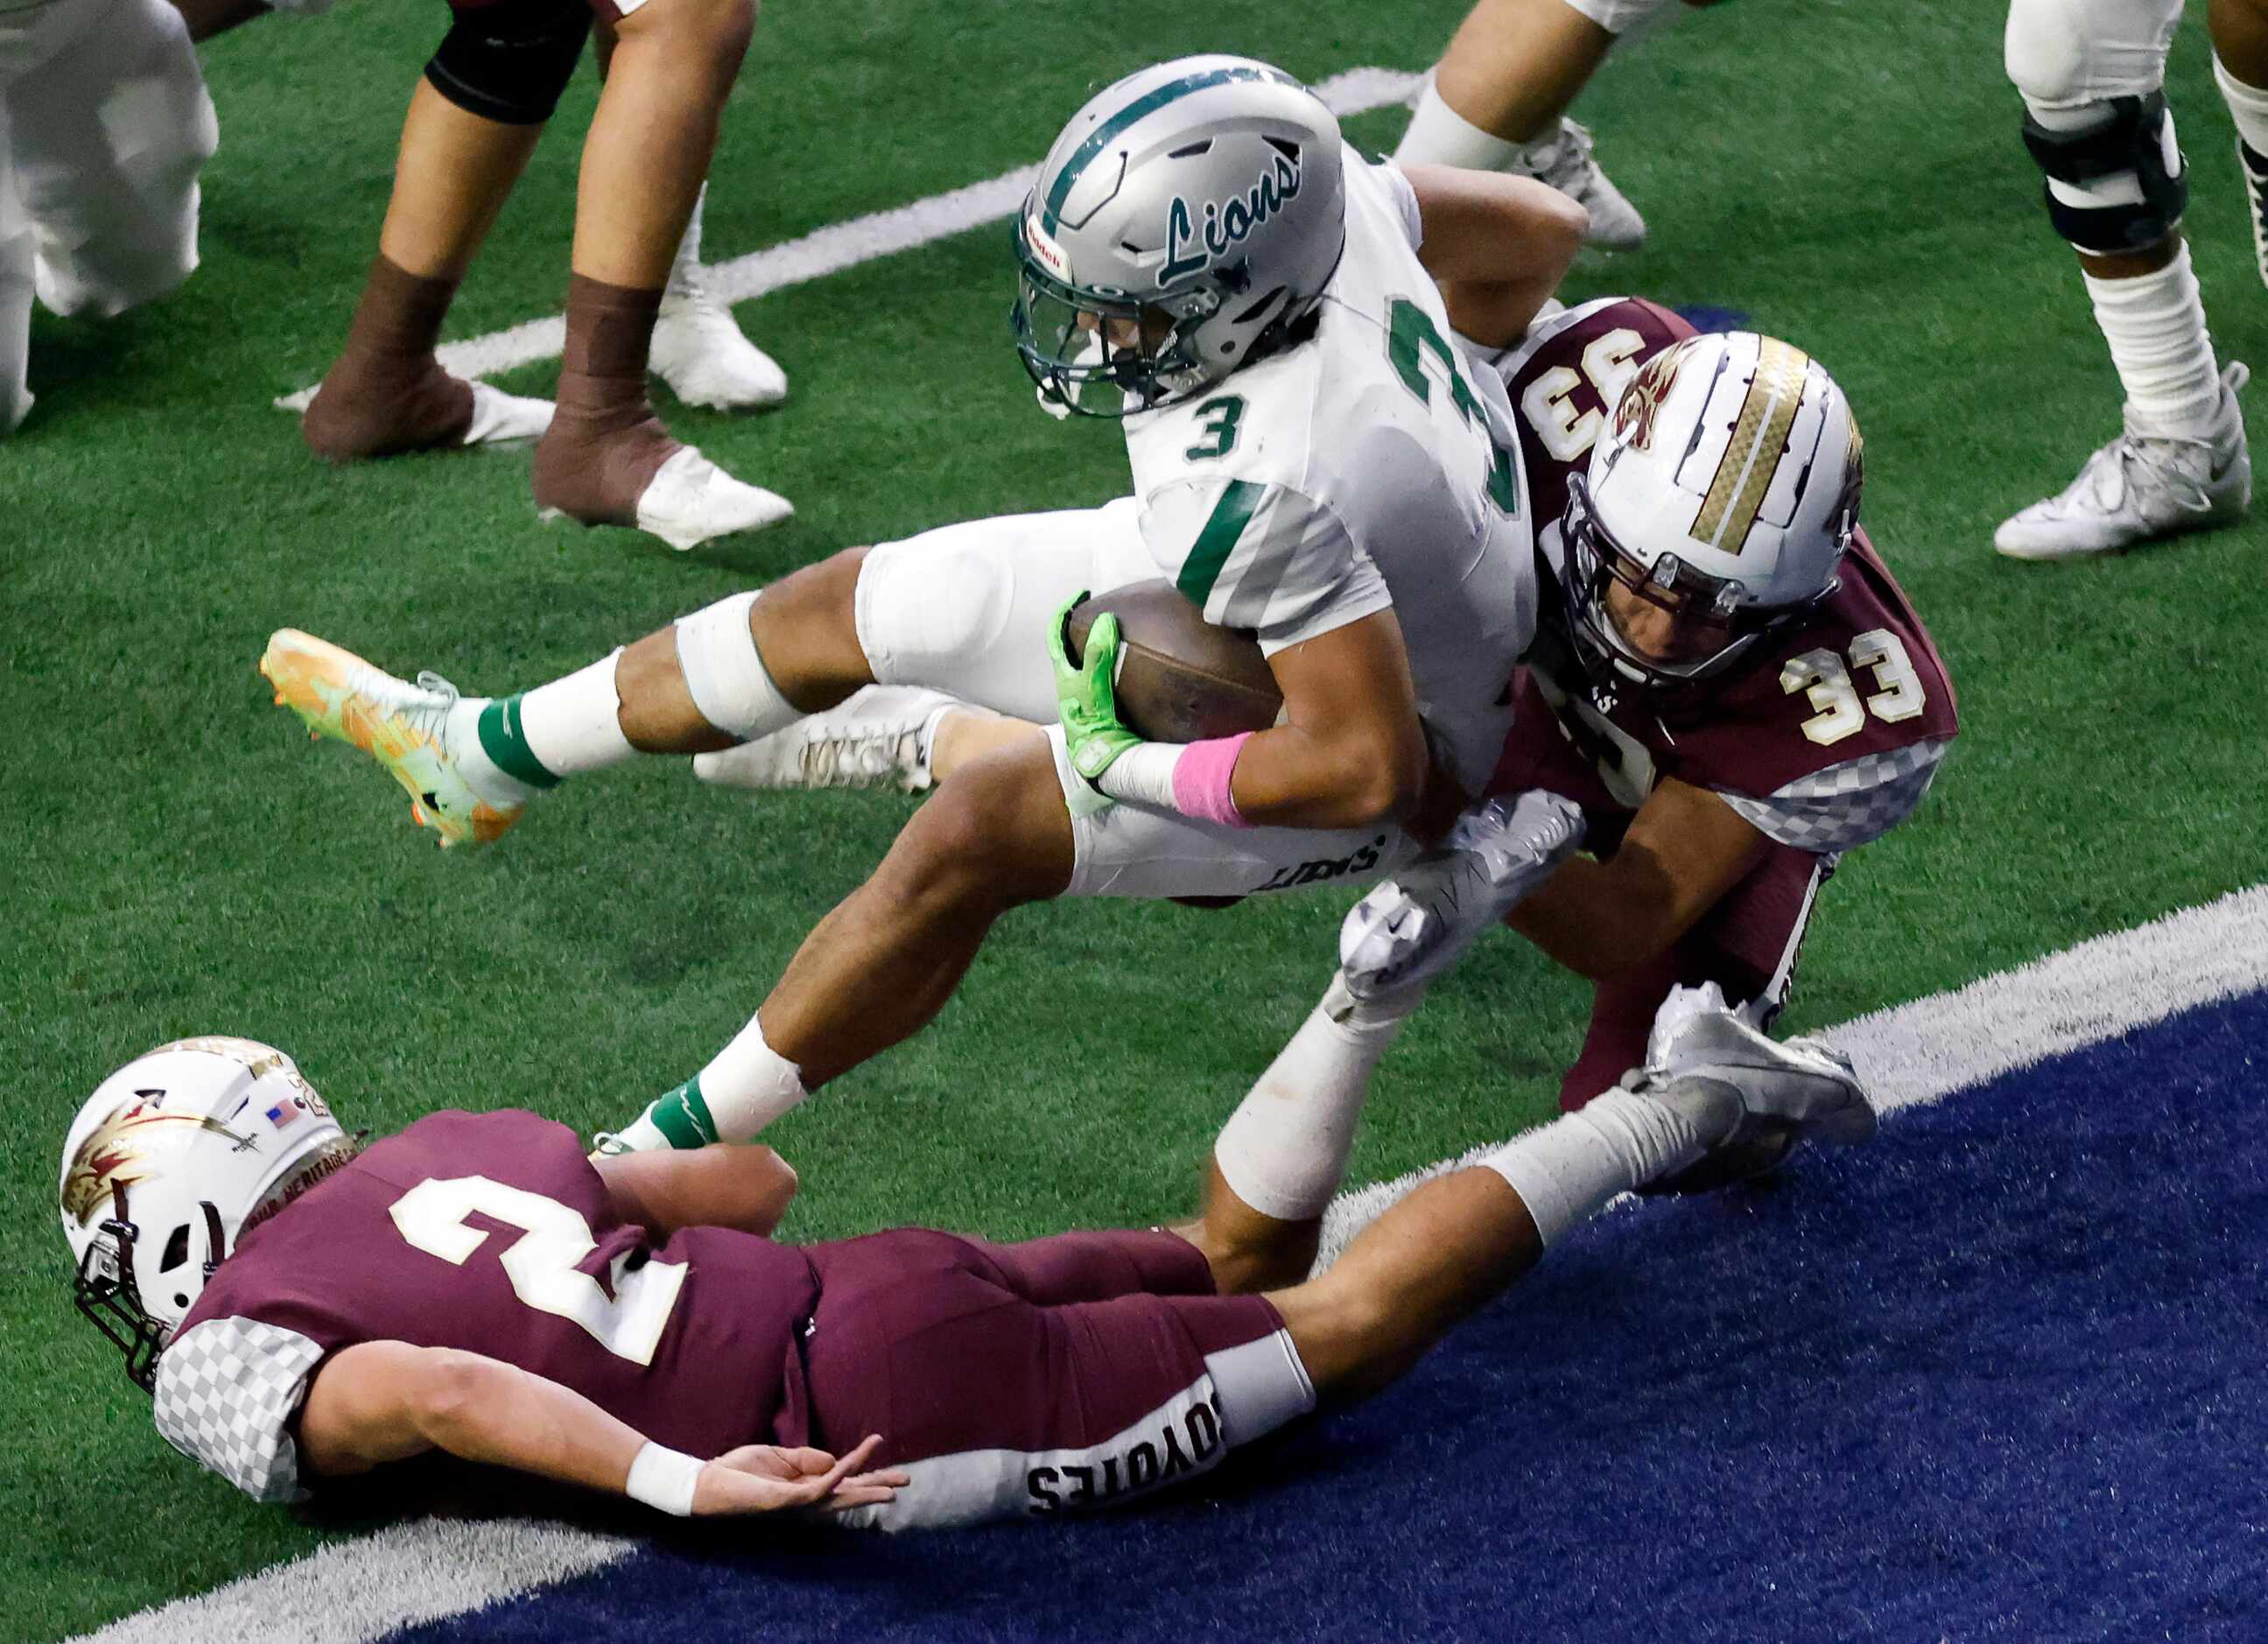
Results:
<point x="2067" y="54"/>
<point x="105" y="123"/>
<point x="965" y="609"/>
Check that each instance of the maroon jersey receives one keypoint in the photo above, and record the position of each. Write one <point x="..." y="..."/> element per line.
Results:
<point x="490" y="1233"/>
<point x="1827" y="740"/>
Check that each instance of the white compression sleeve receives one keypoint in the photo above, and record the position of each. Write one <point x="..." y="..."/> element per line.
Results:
<point x="1567" y="1171"/>
<point x="1284" y="1151"/>
<point x="725" y="674"/>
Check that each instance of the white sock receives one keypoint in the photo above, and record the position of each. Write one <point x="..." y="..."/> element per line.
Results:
<point x="687" y="265"/>
<point x="2155" y="327"/>
<point x="1284" y="1151"/>
<point x="1567" y="1171"/>
<point x="1440" y="135"/>
<point x="745" y="1085"/>
<point x="2248" y="107"/>
<point x="574" y="724"/>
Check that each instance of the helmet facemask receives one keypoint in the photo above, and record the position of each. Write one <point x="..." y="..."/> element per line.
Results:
<point x="107" y="1294"/>
<point x="1100" y="354"/>
<point x="1714" y="610"/>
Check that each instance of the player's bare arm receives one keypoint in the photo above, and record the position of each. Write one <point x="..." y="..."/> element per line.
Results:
<point x="385" y="1401"/>
<point x="1684" y="849"/>
<point x="748" y="1189"/>
<point x="1351" y="751"/>
<point x="1497" y="247"/>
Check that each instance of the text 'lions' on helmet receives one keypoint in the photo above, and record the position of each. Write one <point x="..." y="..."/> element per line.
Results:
<point x="1722" y="493"/>
<point x="1185" y="221"/>
<point x="165" y="1163"/>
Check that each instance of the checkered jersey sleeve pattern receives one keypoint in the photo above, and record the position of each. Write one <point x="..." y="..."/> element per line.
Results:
<point x="1844" y="805"/>
<point x="227" y="1392"/>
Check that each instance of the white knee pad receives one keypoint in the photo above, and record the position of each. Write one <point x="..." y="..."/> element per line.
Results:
<point x="2061" y="53"/>
<point x="1622" y="19"/>
<point x="939" y="614"/>
<point x="724" y="674"/>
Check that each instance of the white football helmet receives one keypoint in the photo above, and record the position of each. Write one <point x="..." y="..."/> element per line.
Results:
<point x="1724" y="489"/>
<point x="1185" y="222"/>
<point x="164" y="1165"/>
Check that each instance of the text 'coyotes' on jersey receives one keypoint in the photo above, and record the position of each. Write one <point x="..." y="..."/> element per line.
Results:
<point x="1827" y="741"/>
<point x="1372" y="464"/>
<point x="491" y="1234"/>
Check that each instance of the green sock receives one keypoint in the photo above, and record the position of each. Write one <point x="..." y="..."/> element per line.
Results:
<point x="505" y="743"/>
<point x="681" y="1116"/>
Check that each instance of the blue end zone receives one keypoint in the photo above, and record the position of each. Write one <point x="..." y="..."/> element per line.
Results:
<point x="1998" y="1376"/>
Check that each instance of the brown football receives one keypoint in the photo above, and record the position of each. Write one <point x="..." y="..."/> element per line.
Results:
<point x="1180" y="678"/>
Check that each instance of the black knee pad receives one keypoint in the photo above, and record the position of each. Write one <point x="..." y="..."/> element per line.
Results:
<point x="510" y="62"/>
<point x="2131" y="143"/>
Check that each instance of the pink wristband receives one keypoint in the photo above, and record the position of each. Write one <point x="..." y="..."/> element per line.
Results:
<point x="1201" y="780"/>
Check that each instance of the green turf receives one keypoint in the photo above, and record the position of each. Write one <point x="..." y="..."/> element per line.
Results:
<point x="180" y="861"/>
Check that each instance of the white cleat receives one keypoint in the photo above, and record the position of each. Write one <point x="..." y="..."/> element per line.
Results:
<point x="1414" y="926"/>
<point x="1563" y="160"/>
<point x="501" y="418"/>
<point x="690" y="500"/>
<point x="699" y="352"/>
<point x="1788" y="1094"/>
<point x="878" y="737"/>
<point x="2140" y="488"/>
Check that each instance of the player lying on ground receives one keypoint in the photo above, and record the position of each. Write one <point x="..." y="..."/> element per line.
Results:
<point x="1383" y="554"/>
<point x="1734" y="693"/>
<point x="474" y="118"/>
<point x="306" y="1310"/>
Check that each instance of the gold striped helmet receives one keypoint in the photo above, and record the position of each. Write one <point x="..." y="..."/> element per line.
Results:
<point x="1723" y="491"/>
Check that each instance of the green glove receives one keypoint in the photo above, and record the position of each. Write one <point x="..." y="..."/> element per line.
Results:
<point x="1084" y="699"/>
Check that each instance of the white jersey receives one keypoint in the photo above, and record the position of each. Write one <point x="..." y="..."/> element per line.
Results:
<point x="1371" y="466"/>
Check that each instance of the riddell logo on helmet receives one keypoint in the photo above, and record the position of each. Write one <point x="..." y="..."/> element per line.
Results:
<point x="1226" y="222"/>
<point x="1049" y="255"/>
<point x="1642" y="401"/>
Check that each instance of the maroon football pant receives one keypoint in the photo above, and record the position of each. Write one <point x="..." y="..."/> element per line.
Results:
<point x="1037" y="1379"/>
<point x="1746" y="943"/>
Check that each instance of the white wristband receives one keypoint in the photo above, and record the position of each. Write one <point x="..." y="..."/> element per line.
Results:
<point x="664" y="1479"/>
<point x="1144" y="774"/>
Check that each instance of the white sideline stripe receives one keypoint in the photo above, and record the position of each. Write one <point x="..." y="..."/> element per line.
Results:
<point x="841" y="245"/>
<point x="356" y="1590"/>
<point x="1909" y="1055"/>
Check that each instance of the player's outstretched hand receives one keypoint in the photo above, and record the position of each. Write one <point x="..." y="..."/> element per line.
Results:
<point x="766" y="1477"/>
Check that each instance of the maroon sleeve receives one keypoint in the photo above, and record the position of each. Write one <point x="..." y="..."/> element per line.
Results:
<point x="1834" y="738"/>
<point x="491" y="1234"/>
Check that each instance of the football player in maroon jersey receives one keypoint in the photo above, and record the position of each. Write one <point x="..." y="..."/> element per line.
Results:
<point x="305" y="1308"/>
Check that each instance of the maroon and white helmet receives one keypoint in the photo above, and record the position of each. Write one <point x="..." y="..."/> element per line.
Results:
<point x="1725" y="488"/>
<point x="163" y="1166"/>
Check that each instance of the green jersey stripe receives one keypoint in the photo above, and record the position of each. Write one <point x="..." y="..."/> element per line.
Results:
<point x="1104" y="135"/>
<point x="1217" y="541"/>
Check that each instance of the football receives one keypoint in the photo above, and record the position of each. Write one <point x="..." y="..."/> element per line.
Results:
<point x="1180" y="678"/>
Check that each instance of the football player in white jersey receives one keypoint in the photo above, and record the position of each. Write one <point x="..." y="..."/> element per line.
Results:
<point x="1314" y="457"/>
<point x="2093" y="73"/>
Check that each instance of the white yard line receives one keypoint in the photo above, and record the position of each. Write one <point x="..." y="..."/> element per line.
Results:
<point x="842" y="245"/>
<point x="354" y="1591"/>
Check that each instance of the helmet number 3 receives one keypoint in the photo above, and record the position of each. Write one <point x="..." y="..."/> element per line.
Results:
<point x="543" y="1263"/>
<point x="1842" y="713"/>
<point x="1411" y="335"/>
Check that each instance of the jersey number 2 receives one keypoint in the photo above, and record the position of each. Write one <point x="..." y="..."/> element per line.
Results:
<point x="541" y="1262"/>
